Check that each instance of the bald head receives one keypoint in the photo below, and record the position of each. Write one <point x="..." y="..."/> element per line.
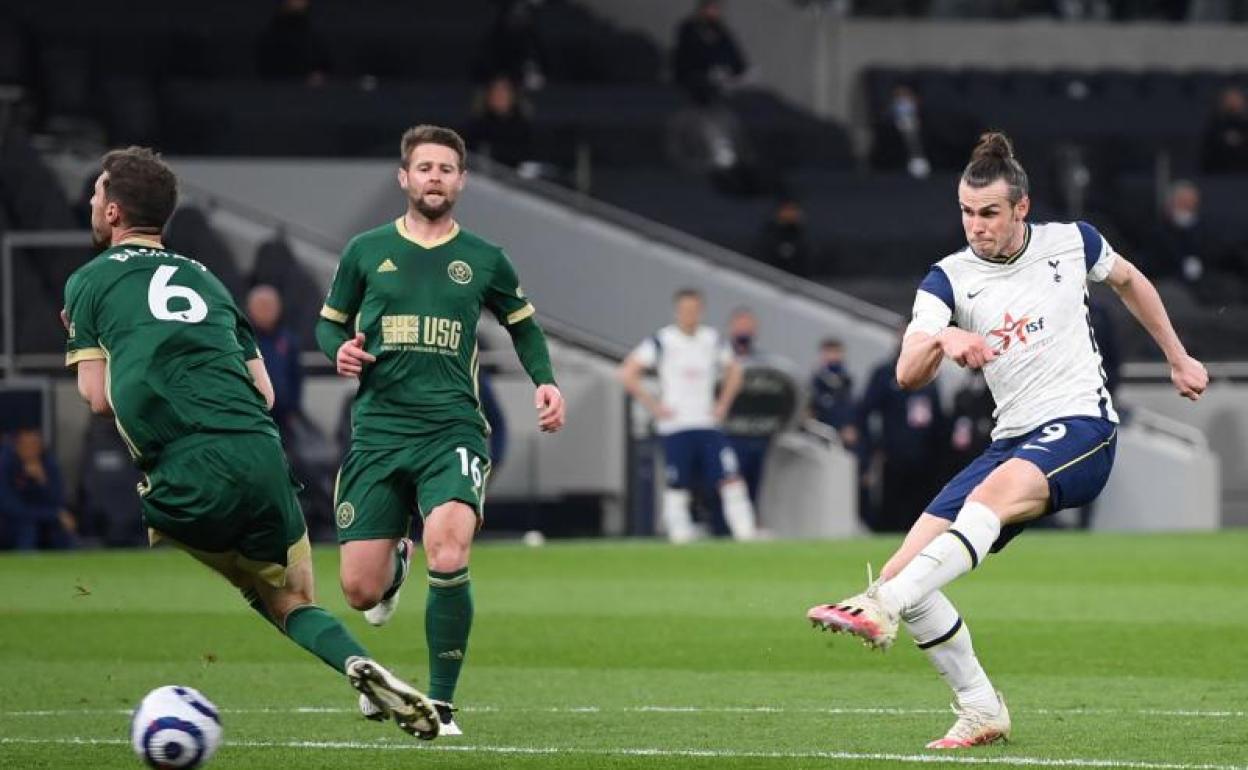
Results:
<point x="264" y="308"/>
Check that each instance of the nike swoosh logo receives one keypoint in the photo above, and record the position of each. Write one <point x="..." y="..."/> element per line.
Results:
<point x="1035" y="446"/>
<point x="974" y="294"/>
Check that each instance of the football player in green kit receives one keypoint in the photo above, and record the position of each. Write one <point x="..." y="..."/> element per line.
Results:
<point x="402" y="317"/>
<point x="159" y="343"/>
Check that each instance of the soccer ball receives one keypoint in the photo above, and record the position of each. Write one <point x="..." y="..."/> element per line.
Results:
<point x="175" y="727"/>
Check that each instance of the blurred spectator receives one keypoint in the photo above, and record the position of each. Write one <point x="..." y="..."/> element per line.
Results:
<point x="500" y="127"/>
<point x="898" y="141"/>
<point x="290" y="46"/>
<point x="971" y="421"/>
<point x="707" y="59"/>
<point x="280" y="349"/>
<point x="1183" y="248"/>
<point x="832" y="392"/>
<point x="765" y="404"/>
<point x="906" y="433"/>
<point x="783" y="241"/>
<point x="32" y="497"/>
<point x="513" y="47"/>
<point x="1224" y="149"/>
<point x="710" y="139"/>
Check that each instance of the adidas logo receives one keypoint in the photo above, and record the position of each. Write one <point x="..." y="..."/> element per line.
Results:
<point x="387" y="267"/>
<point x="451" y="655"/>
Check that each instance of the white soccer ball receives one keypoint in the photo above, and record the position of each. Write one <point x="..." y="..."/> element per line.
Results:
<point x="175" y="727"/>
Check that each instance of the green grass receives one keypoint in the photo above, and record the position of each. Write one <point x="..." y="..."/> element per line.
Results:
<point x="1099" y="642"/>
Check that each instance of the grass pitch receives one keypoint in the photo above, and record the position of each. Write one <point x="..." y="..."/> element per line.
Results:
<point x="1113" y="652"/>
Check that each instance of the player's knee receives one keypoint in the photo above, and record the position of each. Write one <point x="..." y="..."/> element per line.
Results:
<point x="361" y="594"/>
<point x="445" y="556"/>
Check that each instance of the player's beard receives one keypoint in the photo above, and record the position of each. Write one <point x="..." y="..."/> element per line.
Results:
<point x="100" y="238"/>
<point x="431" y="212"/>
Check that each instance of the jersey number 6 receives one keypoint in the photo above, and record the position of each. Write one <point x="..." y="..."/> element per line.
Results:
<point x="160" y="294"/>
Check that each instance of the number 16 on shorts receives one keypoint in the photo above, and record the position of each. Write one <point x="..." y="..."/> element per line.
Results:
<point x="470" y="469"/>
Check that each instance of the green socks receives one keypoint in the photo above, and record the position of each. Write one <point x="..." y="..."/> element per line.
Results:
<point x="448" y="619"/>
<point x="321" y="634"/>
<point x="396" y="582"/>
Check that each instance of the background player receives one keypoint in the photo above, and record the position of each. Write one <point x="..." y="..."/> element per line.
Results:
<point x="159" y="343"/>
<point x="1017" y="301"/>
<point x="412" y="290"/>
<point x="689" y="358"/>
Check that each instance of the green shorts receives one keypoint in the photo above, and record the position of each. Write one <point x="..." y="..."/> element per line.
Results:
<point x="232" y="495"/>
<point x="378" y="489"/>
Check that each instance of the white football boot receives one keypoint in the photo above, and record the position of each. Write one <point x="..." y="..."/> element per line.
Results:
<point x="864" y="615"/>
<point x="975" y="727"/>
<point x="379" y="614"/>
<point x="446" y="715"/>
<point x="411" y="709"/>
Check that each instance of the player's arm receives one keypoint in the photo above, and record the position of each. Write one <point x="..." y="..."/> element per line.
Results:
<point x="630" y="371"/>
<point x="506" y="300"/>
<point x="260" y="376"/>
<point x="734" y="377"/>
<point x="929" y="337"/>
<point x="333" y="334"/>
<point x="83" y="349"/>
<point x="91" y="385"/>
<point x="246" y="337"/>
<point x="1141" y="298"/>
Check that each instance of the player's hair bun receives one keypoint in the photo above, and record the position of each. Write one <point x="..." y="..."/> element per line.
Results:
<point x="993" y="144"/>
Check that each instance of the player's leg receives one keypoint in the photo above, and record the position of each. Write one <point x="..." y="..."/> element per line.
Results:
<point x="939" y="631"/>
<point x="372" y="521"/>
<point x="1063" y="464"/>
<point x="678" y="460"/>
<point x="721" y="463"/>
<point x="450" y="485"/>
<point x="865" y="615"/>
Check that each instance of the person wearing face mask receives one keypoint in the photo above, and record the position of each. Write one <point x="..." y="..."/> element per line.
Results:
<point x="832" y="392"/>
<point x="1183" y="249"/>
<point x="765" y="404"/>
<point x="900" y="140"/>
<point x="783" y="240"/>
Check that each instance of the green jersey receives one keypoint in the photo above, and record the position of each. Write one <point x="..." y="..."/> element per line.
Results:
<point x="175" y="346"/>
<point x="418" y="306"/>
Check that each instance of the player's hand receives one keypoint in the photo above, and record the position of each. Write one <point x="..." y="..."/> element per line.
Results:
<point x="663" y="412"/>
<point x="1189" y="377"/>
<point x="550" y="408"/>
<point x="352" y="356"/>
<point x="720" y="412"/>
<point x="966" y="348"/>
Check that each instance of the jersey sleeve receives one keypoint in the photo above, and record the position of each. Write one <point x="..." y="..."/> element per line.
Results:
<point x="346" y="290"/>
<point x="503" y="295"/>
<point x="246" y="336"/>
<point x="1098" y="255"/>
<point x="647" y="353"/>
<point x="83" y="343"/>
<point x="933" y="303"/>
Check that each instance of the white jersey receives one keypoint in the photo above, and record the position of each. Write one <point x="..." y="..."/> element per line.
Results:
<point x="688" y="366"/>
<point x="1033" y="310"/>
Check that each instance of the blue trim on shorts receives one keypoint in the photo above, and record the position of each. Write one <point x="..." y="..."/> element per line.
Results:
<point x="1076" y="455"/>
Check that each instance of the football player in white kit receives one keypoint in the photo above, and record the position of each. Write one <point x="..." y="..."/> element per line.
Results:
<point x="1013" y="303"/>
<point x="689" y="359"/>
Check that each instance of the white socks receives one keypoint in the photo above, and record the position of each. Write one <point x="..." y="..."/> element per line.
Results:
<point x="676" y="516"/>
<point x="938" y="630"/>
<point x="950" y="555"/>
<point x="738" y="510"/>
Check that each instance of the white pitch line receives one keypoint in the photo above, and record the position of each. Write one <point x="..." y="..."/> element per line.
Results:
<point x="832" y="710"/>
<point x="921" y="759"/>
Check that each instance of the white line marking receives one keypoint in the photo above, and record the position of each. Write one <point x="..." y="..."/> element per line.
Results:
<point x="960" y="759"/>
<point x="834" y="711"/>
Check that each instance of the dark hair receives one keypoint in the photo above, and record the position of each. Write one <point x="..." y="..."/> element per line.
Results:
<point x="831" y="342"/>
<point x="142" y="185"/>
<point x="993" y="159"/>
<point x="686" y="293"/>
<point x="426" y="134"/>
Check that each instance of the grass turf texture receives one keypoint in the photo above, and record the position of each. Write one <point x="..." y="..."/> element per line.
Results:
<point x="1118" y="649"/>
